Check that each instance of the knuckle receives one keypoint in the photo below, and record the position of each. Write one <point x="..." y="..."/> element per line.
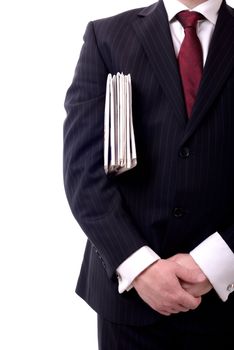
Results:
<point x="184" y="309"/>
<point x="194" y="304"/>
<point x="164" y="312"/>
<point x="178" y="298"/>
<point x="186" y="303"/>
<point x="155" y="307"/>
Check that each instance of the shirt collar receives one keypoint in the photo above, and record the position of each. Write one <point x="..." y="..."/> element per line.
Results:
<point x="208" y="9"/>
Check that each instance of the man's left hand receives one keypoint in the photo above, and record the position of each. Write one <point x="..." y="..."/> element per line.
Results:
<point x="197" y="289"/>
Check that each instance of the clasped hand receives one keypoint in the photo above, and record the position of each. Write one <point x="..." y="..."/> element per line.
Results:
<point x="172" y="285"/>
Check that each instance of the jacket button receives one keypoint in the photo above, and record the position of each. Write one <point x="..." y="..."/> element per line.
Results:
<point x="178" y="212"/>
<point x="184" y="152"/>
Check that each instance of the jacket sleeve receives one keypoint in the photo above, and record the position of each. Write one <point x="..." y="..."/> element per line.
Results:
<point x="228" y="235"/>
<point x="92" y="195"/>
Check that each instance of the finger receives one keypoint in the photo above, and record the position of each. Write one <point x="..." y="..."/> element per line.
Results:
<point x="188" y="275"/>
<point x="172" y="258"/>
<point x="186" y="285"/>
<point x="188" y="301"/>
<point x="174" y="311"/>
<point x="178" y="308"/>
<point x="183" y="309"/>
<point x="165" y="313"/>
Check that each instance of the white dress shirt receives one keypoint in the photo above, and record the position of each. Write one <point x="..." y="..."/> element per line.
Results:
<point x="213" y="255"/>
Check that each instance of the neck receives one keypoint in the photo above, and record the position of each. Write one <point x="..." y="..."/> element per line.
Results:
<point x="192" y="3"/>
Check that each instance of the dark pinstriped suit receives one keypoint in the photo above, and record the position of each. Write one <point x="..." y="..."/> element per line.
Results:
<point x="181" y="164"/>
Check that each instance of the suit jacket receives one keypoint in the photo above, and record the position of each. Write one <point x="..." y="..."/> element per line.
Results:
<point x="182" y="189"/>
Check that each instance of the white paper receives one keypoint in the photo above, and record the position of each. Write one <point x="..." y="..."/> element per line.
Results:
<point x="107" y="124"/>
<point x="119" y="140"/>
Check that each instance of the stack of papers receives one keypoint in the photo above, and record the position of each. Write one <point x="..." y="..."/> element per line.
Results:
<point x="119" y="140"/>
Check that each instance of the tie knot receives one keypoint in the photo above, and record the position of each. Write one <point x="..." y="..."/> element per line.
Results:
<point x="189" y="18"/>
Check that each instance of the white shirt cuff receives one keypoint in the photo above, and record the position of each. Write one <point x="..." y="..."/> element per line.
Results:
<point x="216" y="260"/>
<point x="133" y="266"/>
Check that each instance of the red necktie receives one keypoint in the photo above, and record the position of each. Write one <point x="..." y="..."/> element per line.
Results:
<point x="190" y="57"/>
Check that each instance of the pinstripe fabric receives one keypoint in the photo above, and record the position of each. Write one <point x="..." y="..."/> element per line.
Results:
<point x="164" y="335"/>
<point x="121" y="214"/>
<point x="153" y="337"/>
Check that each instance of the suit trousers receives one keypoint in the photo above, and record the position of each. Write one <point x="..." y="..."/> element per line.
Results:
<point x="163" y="335"/>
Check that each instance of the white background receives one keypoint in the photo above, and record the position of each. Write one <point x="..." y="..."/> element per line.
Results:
<point x="41" y="245"/>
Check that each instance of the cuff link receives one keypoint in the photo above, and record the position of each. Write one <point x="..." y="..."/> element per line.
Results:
<point x="230" y="287"/>
<point x="118" y="277"/>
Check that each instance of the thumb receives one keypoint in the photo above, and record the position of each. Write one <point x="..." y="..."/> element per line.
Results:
<point x="190" y="275"/>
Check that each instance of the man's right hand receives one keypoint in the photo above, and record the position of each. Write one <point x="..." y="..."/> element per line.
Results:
<point x="159" y="286"/>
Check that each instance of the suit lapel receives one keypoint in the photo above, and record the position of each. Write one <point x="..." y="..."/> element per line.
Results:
<point x="153" y="31"/>
<point x="218" y="66"/>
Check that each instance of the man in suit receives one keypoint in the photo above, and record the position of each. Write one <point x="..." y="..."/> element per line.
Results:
<point x="159" y="265"/>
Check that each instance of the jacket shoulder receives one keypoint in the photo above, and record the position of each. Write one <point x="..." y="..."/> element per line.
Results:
<point x="230" y="10"/>
<point x="124" y="18"/>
